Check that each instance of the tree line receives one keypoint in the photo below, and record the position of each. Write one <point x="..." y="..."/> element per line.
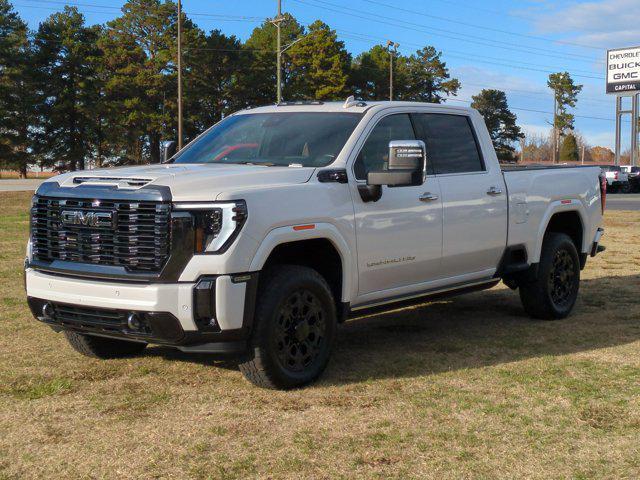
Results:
<point x="74" y="95"/>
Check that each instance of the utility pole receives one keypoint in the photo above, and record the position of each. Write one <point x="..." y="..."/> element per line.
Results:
<point x="179" y="75"/>
<point x="555" y="132"/>
<point x="393" y="49"/>
<point x="277" y="21"/>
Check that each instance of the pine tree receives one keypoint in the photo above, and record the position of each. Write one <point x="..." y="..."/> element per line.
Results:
<point x="17" y="100"/>
<point x="139" y="52"/>
<point x="420" y="77"/>
<point x="66" y="76"/>
<point x="319" y="65"/>
<point x="211" y="82"/>
<point x="569" y="150"/>
<point x="257" y="83"/>
<point x="566" y="95"/>
<point x="370" y="74"/>
<point x="500" y="121"/>
<point x="427" y="78"/>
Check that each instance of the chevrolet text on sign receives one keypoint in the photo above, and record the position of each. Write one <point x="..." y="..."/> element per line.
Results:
<point x="623" y="70"/>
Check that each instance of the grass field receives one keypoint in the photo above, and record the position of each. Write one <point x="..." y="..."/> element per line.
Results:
<point x="461" y="388"/>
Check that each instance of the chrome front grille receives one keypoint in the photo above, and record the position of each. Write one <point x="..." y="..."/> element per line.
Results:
<point x="138" y="238"/>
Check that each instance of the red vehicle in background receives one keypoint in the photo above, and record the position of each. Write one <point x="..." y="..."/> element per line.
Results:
<point x="241" y="150"/>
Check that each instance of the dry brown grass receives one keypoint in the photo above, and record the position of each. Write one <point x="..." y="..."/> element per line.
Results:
<point x="462" y="388"/>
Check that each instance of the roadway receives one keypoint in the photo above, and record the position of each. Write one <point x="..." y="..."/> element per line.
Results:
<point x="10" y="185"/>
<point x="616" y="201"/>
<point x="621" y="201"/>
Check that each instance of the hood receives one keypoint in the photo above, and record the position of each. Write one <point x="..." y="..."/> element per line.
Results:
<point x="196" y="182"/>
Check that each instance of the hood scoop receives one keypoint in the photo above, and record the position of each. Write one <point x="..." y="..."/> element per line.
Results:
<point x="120" y="182"/>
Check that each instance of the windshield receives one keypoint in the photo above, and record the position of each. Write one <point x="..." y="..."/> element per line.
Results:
<point x="307" y="139"/>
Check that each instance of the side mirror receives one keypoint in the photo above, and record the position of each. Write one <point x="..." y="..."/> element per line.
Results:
<point x="167" y="150"/>
<point x="407" y="167"/>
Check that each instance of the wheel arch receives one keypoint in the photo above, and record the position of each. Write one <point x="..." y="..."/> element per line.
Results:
<point x="318" y="246"/>
<point x="568" y="218"/>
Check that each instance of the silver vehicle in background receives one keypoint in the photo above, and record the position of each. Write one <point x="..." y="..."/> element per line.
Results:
<point x="617" y="179"/>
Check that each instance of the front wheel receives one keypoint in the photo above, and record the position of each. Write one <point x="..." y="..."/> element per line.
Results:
<point x="294" y="331"/>
<point x="554" y="292"/>
<point x="102" y="347"/>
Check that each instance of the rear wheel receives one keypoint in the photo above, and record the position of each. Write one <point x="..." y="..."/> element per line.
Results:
<point x="625" y="188"/>
<point x="553" y="294"/>
<point x="101" y="347"/>
<point x="294" y="331"/>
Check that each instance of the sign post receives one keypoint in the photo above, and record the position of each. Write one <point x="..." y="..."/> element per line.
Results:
<point x="623" y="80"/>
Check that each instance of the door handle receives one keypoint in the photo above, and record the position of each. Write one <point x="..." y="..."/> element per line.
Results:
<point x="494" y="191"/>
<point x="428" y="197"/>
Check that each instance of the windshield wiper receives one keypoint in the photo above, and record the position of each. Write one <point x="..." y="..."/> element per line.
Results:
<point x="260" y="164"/>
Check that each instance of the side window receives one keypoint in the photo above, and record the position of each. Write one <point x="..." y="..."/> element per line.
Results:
<point x="451" y="143"/>
<point x="375" y="151"/>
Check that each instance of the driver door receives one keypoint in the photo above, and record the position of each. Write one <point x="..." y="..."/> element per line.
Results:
<point x="399" y="237"/>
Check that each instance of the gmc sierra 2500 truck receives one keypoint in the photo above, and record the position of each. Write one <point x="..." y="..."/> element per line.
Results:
<point x="279" y="222"/>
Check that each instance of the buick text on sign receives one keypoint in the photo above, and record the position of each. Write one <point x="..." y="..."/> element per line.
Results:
<point x="623" y="70"/>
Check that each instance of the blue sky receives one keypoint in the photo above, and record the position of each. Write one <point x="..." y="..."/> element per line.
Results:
<point x="508" y="45"/>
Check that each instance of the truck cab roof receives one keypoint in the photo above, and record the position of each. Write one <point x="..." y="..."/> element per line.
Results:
<point x="351" y="106"/>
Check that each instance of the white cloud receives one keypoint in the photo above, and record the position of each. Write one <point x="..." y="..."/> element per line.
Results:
<point x="474" y="79"/>
<point x="607" y="23"/>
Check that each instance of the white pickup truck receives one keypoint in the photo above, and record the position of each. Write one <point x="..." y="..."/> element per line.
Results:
<point x="279" y="222"/>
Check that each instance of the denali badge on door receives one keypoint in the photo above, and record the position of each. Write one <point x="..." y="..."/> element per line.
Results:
<point x="88" y="219"/>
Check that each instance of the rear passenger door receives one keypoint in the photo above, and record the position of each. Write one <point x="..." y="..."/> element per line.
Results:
<point x="473" y="196"/>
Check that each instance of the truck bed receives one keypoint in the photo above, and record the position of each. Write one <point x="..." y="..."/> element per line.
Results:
<point x="536" y="191"/>
<point x="519" y="168"/>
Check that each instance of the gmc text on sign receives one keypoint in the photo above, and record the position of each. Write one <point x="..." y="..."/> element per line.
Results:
<point x="623" y="70"/>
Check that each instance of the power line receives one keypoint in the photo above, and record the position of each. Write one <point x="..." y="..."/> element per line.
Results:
<point x="482" y="9"/>
<point x="475" y="59"/>
<point x="473" y="39"/>
<point x="111" y="7"/>
<point x="506" y="90"/>
<point x="539" y="111"/>
<point x="530" y="93"/>
<point x="453" y="53"/>
<point x="482" y="27"/>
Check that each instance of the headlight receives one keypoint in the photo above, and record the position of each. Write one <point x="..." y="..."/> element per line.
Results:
<point x="216" y="225"/>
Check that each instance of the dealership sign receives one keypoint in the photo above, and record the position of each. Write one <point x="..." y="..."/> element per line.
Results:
<point x="623" y="71"/>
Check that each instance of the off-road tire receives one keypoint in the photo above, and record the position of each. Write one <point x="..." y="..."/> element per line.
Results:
<point x="268" y="363"/>
<point x="101" y="347"/>
<point x="554" y="292"/>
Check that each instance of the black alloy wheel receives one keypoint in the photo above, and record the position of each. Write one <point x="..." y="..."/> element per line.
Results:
<point x="294" y="328"/>
<point x="553" y="292"/>
<point x="562" y="278"/>
<point x="300" y="331"/>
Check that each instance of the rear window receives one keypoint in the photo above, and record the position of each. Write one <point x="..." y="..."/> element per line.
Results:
<point x="451" y="143"/>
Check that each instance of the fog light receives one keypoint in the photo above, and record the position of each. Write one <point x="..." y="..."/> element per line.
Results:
<point x="48" y="311"/>
<point x="133" y="321"/>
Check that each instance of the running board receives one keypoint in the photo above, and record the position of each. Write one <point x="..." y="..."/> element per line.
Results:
<point x="418" y="298"/>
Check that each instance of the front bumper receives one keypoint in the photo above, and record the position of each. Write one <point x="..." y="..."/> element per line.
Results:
<point x="169" y="313"/>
